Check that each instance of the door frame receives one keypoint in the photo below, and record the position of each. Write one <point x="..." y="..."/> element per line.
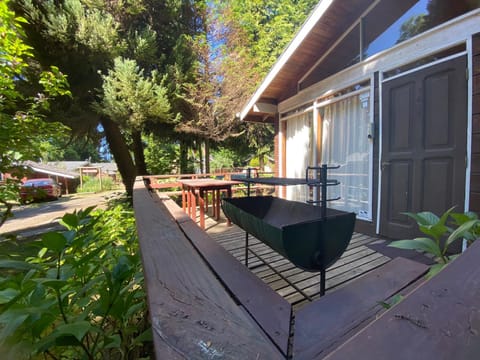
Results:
<point x="468" y="54"/>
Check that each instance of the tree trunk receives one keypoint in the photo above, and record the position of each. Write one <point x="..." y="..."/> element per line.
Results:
<point x="120" y="153"/>
<point x="183" y="157"/>
<point x="207" y="156"/>
<point x="200" y="156"/>
<point x="261" y="162"/>
<point x="138" y="153"/>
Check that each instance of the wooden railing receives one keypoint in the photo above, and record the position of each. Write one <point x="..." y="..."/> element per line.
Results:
<point x="203" y="303"/>
<point x="170" y="183"/>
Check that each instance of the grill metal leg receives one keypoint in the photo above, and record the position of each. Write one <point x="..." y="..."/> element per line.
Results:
<point x="246" y="249"/>
<point x="322" y="282"/>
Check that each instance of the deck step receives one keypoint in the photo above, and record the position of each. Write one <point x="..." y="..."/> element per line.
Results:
<point x="323" y="325"/>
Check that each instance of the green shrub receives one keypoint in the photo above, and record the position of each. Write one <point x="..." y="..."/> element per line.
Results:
<point x="80" y="296"/>
<point x="91" y="184"/>
<point x="461" y="226"/>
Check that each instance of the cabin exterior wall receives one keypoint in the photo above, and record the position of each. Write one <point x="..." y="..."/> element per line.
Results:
<point x="460" y="31"/>
<point x="475" y="158"/>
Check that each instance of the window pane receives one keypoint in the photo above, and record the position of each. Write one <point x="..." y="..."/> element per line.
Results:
<point x="392" y="22"/>
<point x="345" y="142"/>
<point x="299" y="152"/>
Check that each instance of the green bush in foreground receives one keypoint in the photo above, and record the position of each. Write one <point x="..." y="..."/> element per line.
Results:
<point x="81" y="296"/>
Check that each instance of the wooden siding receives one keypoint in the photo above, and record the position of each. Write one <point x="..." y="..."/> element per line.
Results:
<point x="475" y="161"/>
<point x="369" y="227"/>
<point x="276" y="144"/>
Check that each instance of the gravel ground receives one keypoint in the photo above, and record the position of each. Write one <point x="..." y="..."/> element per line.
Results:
<point x="43" y="216"/>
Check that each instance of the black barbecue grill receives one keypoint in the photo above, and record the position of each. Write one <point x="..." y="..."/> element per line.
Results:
<point x="311" y="237"/>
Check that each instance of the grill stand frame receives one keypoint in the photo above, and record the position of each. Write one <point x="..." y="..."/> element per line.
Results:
<point x="319" y="180"/>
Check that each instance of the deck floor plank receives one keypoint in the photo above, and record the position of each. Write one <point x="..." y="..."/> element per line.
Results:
<point x="357" y="260"/>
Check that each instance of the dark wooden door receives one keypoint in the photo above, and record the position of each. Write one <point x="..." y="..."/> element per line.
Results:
<point x="424" y="132"/>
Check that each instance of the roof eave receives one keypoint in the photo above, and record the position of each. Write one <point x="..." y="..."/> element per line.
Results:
<point x="307" y="27"/>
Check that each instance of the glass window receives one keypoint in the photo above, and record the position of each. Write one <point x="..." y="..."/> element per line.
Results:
<point x="299" y="152"/>
<point x="345" y="127"/>
<point x="392" y="22"/>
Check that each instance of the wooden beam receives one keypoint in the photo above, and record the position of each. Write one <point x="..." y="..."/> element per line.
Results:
<point x="193" y="316"/>
<point x="438" y="320"/>
<point x="265" y="108"/>
<point x="270" y="310"/>
<point x="342" y="313"/>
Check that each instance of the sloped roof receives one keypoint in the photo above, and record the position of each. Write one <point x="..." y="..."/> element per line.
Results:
<point x="324" y="26"/>
<point x="68" y="165"/>
<point x="73" y="166"/>
<point x="50" y="170"/>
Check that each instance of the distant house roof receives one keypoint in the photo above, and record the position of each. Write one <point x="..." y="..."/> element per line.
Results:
<point x="68" y="165"/>
<point x="50" y="170"/>
<point x="109" y="168"/>
<point x="74" y="166"/>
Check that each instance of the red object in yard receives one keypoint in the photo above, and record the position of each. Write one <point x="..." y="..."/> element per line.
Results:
<point x="40" y="189"/>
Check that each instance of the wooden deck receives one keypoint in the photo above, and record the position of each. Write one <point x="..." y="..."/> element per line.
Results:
<point x="197" y="289"/>
<point x="357" y="260"/>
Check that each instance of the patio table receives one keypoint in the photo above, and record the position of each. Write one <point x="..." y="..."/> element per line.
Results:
<point x="196" y="192"/>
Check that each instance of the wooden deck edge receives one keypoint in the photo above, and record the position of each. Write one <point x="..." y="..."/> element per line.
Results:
<point x="438" y="320"/>
<point x="323" y="325"/>
<point x="270" y="310"/>
<point x="192" y="314"/>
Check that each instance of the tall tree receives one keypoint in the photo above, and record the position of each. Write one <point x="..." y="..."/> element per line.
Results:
<point x="252" y="34"/>
<point x="22" y="125"/>
<point x="83" y="37"/>
<point x="132" y="99"/>
<point x="209" y="96"/>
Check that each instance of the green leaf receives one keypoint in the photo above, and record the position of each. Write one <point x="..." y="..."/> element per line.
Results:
<point x="424" y="218"/>
<point x="445" y="215"/>
<point x="460" y="218"/>
<point x="77" y="329"/>
<point x="70" y="221"/>
<point x="134" y="309"/>
<point x="42" y="252"/>
<point x="435" y="231"/>
<point x="144" y="337"/>
<point x="54" y="241"/>
<point x="122" y="270"/>
<point x="45" y="320"/>
<point x="112" y="342"/>
<point x="434" y="270"/>
<point x="18" y="265"/>
<point x="70" y="236"/>
<point x="8" y="295"/>
<point x="55" y="284"/>
<point x="460" y="231"/>
<point x="422" y="244"/>
<point x="12" y="325"/>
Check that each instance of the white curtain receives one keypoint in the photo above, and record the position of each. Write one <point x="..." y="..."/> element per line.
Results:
<point x="345" y="126"/>
<point x="299" y="152"/>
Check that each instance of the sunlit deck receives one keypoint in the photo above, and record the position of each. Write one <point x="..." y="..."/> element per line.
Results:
<point x="198" y="287"/>
<point x="359" y="258"/>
